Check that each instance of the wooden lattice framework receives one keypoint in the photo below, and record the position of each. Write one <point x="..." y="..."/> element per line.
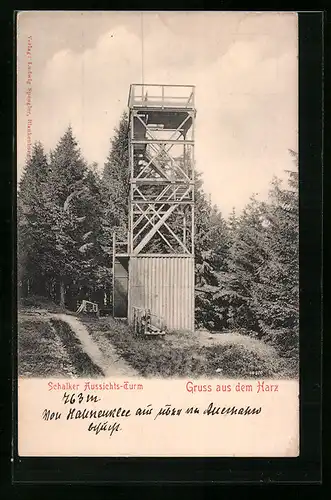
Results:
<point x="161" y="155"/>
<point x="161" y="209"/>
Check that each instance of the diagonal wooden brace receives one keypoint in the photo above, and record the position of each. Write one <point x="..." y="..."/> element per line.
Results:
<point x="154" y="230"/>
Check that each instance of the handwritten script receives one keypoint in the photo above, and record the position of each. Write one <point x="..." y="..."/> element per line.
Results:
<point x="142" y="417"/>
<point x="102" y="419"/>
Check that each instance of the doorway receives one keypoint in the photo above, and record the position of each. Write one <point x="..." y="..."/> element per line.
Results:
<point x="121" y="279"/>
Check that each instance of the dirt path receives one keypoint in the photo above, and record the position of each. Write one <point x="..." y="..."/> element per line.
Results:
<point x="112" y="364"/>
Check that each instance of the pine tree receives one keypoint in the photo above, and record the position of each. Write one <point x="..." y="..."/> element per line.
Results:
<point x="115" y="179"/>
<point x="92" y="279"/>
<point x="114" y="189"/>
<point x="276" y="297"/>
<point x="70" y="204"/>
<point x="245" y="256"/>
<point x="232" y="223"/>
<point x="211" y="249"/>
<point x="33" y="224"/>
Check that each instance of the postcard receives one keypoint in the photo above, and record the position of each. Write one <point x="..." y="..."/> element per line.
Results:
<point x="157" y="234"/>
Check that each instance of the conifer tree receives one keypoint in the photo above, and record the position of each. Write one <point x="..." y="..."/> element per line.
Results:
<point x="276" y="297"/>
<point x="211" y="249"/>
<point x="115" y="179"/>
<point x="93" y="279"/>
<point x="33" y="224"/>
<point x="70" y="205"/>
<point x="246" y="253"/>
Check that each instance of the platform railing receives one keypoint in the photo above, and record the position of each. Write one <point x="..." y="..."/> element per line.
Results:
<point x="163" y="96"/>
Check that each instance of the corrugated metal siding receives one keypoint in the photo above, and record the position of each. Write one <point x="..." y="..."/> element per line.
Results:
<point x="165" y="285"/>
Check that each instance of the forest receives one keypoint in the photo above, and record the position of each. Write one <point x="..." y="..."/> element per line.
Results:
<point x="246" y="265"/>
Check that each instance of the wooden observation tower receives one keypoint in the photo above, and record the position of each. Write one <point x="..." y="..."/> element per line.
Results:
<point x="154" y="269"/>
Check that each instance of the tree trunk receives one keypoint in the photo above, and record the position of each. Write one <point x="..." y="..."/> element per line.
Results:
<point x="39" y="286"/>
<point x="24" y="289"/>
<point x="62" y="294"/>
<point x="53" y="290"/>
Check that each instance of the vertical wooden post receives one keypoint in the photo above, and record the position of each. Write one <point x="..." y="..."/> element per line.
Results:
<point x="129" y="310"/>
<point x="131" y="160"/>
<point x="114" y="248"/>
<point x="193" y="178"/>
<point x="148" y="320"/>
<point x="184" y="227"/>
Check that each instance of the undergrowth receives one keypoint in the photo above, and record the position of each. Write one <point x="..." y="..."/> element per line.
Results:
<point x="169" y="357"/>
<point x="49" y="348"/>
<point x="39" y="302"/>
<point x="40" y="351"/>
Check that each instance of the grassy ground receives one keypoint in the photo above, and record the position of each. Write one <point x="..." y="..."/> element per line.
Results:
<point x="47" y="347"/>
<point x="189" y="355"/>
<point x="41" y="352"/>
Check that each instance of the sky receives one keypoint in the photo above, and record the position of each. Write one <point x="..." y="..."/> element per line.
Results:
<point x="243" y="64"/>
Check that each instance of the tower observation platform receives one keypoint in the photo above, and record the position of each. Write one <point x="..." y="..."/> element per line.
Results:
<point x="154" y="269"/>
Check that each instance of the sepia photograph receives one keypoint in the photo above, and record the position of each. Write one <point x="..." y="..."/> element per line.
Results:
<point x="157" y="195"/>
